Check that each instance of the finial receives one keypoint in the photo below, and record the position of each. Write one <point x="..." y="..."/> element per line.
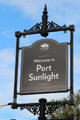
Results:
<point x="45" y="9"/>
<point x="44" y="22"/>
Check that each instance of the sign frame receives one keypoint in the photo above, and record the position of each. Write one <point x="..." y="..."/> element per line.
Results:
<point x="43" y="28"/>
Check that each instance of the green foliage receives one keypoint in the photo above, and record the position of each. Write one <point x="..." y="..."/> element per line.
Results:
<point x="68" y="111"/>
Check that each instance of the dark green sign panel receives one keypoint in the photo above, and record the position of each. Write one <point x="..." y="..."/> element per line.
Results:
<point x="44" y="67"/>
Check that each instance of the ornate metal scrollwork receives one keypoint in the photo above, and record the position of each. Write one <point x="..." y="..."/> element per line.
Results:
<point x="52" y="26"/>
<point x="35" y="29"/>
<point x="33" y="109"/>
<point x="51" y="108"/>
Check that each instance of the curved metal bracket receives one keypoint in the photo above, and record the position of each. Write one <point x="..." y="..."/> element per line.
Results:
<point x="34" y="108"/>
<point x="51" y="27"/>
<point x="34" y="30"/>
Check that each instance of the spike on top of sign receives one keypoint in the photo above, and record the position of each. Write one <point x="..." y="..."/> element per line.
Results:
<point x="45" y="9"/>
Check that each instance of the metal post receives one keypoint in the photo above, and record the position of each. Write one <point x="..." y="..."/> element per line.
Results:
<point x="71" y="65"/>
<point x="17" y="34"/>
<point x="42" y="109"/>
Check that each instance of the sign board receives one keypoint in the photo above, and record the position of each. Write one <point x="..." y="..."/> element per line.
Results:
<point x="44" y="67"/>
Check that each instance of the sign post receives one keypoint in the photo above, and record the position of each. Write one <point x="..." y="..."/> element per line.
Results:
<point x="44" y="68"/>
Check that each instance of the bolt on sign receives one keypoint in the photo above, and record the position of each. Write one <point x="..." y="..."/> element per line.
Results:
<point x="44" y="67"/>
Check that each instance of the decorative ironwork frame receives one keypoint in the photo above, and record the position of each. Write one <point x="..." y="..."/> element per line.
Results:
<point x="34" y="108"/>
<point x="43" y="28"/>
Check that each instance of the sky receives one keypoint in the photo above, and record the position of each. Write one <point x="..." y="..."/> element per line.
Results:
<point x="17" y="15"/>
